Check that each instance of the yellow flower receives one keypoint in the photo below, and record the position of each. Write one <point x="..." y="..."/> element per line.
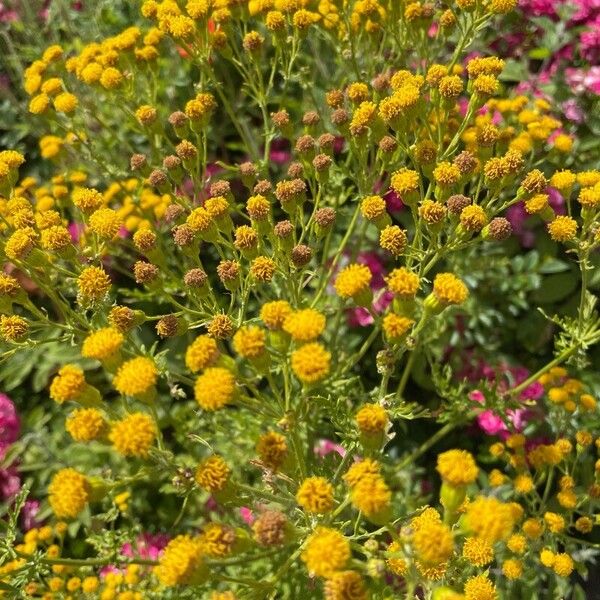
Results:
<point x="263" y="268"/>
<point x="372" y="496"/>
<point x="554" y="522"/>
<point x="217" y="540"/>
<point x="489" y="519"/>
<point x="446" y="174"/>
<point x="85" y="424"/>
<point x="480" y="588"/>
<point x="478" y="552"/>
<point x="87" y="199"/>
<point x="136" y="376"/>
<point x="563" y="181"/>
<point x="397" y="565"/>
<point x="13" y="328"/>
<point x="249" y="341"/>
<point x="405" y="182"/>
<point x="105" y="223"/>
<point x="512" y="568"/>
<point x="111" y="78"/>
<point x="449" y="289"/>
<point x="395" y="326"/>
<point x="372" y="419"/>
<point x="102" y="344"/>
<point x="214" y="388"/>
<point x="182" y="562"/>
<point x="373" y="207"/>
<point x="93" y="283"/>
<point x="457" y="467"/>
<point x="563" y="565"/>
<point x="502" y="7"/>
<point x="304" y="325"/>
<point x="272" y="449"/>
<point x="133" y="435"/>
<point x="69" y="493"/>
<point x="20" y="243"/>
<point x="345" y="585"/>
<point x="201" y="353"/>
<point x="432" y="542"/>
<point x="68" y="384"/>
<point x="274" y="314"/>
<point x="562" y="229"/>
<point x="39" y="104"/>
<point x="55" y="238"/>
<point x="403" y="283"/>
<point x="212" y="474"/>
<point x="473" y="218"/>
<point x="325" y="552"/>
<point x="311" y="362"/>
<point x="359" y="470"/>
<point x="65" y="102"/>
<point x="315" y="495"/>
<point x="393" y="239"/>
<point x="523" y="484"/>
<point x="517" y="543"/>
<point x="533" y="528"/>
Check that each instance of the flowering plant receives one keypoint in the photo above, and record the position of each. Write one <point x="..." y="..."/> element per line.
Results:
<point x="269" y="283"/>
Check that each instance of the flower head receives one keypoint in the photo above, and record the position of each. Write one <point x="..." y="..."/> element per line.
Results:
<point x="304" y="325"/>
<point x="449" y="289"/>
<point x="181" y="562"/>
<point x="212" y="474"/>
<point x="457" y="467"/>
<point x="68" y="384"/>
<point x="102" y="344"/>
<point x="85" y="424"/>
<point x="93" y="283"/>
<point x="69" y="493"/>
<point x="325" y="552"/>
<point x="201" y="353"/>
<point x="136" y="376"/>
<point x="214" y="388"/>
<point x="315" y="495"/>
<point x="133" y="435"/>
<point x="311" y="362"/>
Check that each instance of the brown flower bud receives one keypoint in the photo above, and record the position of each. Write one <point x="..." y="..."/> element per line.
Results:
<point x="220" y="188"/>
<point x="173" y="212"/>
<point x="381" y="82"/>
<point x="248" y="170"/>
<point x="270" y="528"/>
<point x="325" y="217"/>
<point x="295" y="170"/>
<point x="195" y="278"/>
<point x="281" y="118"/>
<point x="157" y="178"/>
<point x="456" y="203"/>
<point x="121" y="317"/>
<point x="465" y="162"/>
<point x="167" y="326"/>
<point x="263" y="187"/>
<point x="321" y="162"/>
<point x="305" y="144"/>
<point x="183" y="235"/>
<point x="171" y="162"/>
<point x="221" y="327"/>
<point x="500" y="229"/>
<point x="388" y="144"/>
<point x="178" y="119"/>
<point x="145" y="272"/>
<point x="137" y="162"/>
<point x="283" y="229"/>
<point x="311" y="118"/>
<point x="335" y="98"/>
<point x="186" y="150"/>
<point x="326" y="141"/>
<point x="301" y="255"/>
<point x="340" y="117"/>
<point x="228" y="270"/>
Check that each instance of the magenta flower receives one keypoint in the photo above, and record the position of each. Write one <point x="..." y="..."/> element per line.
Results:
<point x="10" y="425"/>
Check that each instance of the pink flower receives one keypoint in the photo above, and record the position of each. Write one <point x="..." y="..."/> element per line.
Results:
<point x="29" y="513"/>
<point x="573" y="111"/>
<point x="10" y="483"/>
<point x="393" y="201"/>
<point x="324" y="447"/>
<point x="280" y="152"/>
<point x="10" y="426"/>
<point x="247" y="515"/>
<point x="147" y="546"/>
